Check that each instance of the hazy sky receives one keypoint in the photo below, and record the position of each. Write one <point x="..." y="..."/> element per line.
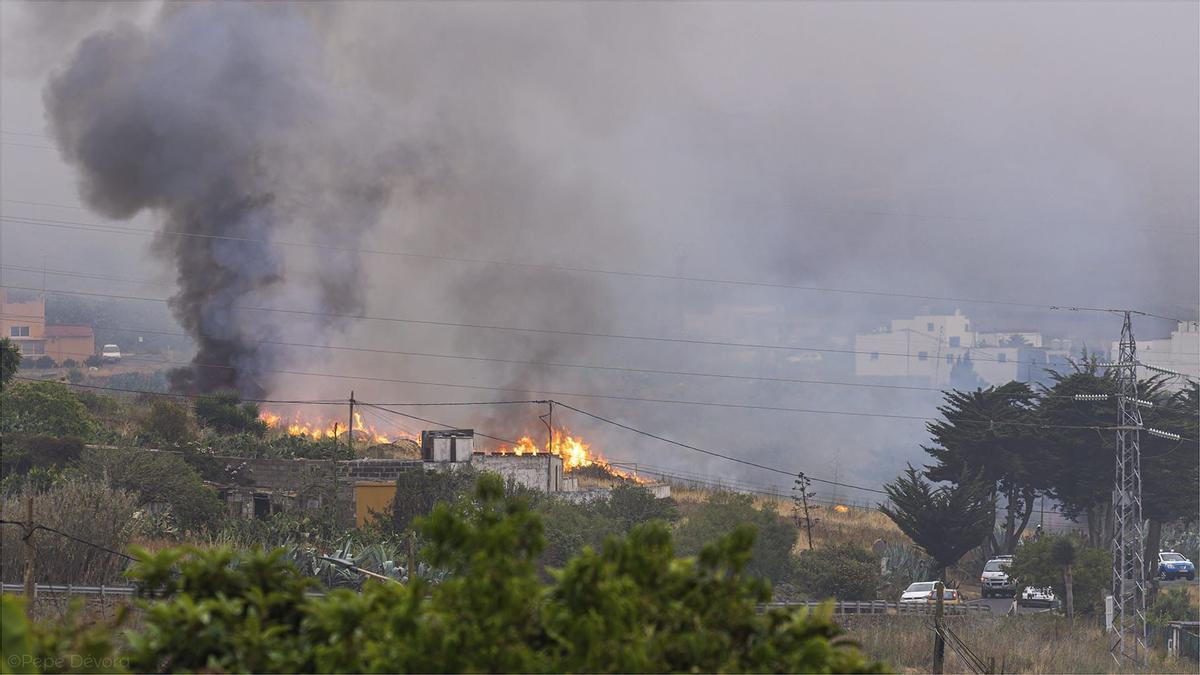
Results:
<point x="1033" y="152"/>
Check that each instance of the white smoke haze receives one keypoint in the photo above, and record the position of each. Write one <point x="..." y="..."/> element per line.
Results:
<point x="1036" y="153"/>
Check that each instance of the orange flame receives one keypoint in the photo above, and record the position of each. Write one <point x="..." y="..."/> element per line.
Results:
<point x="318" y="430"/>
<point x="574" y="452"/>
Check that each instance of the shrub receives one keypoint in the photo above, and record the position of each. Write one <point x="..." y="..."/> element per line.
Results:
<point x="632" y="607"/>
<point x="79" y="506"/>
<point x="723" y="512"/>
<point x="70" y="363"/>
<point x="844" y="572"/>
<point x="43" y="362"/>
<point x="74" y="376"/>
<point x="1034" y="564"/>
<point x="154" y="382"/>
<point x="1173" y="605"/>
<point x="225" y="413"/>
<point x="10" y="361"/>
<point x="21" y="452"/>
<point x="417" y="492"/>
<point x="156" y="478"/>
<point x="633" y="504"/>
<point x="168" y="422"/>
<point x="43" y="408"/>
<point x="93" y="361"/>
<point x="568" y="527"/>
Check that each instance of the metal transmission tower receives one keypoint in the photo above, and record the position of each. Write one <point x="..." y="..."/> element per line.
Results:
<point x="1129" y="541"/>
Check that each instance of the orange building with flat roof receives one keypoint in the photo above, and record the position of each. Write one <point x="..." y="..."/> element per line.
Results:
<point x="24" y="322"/>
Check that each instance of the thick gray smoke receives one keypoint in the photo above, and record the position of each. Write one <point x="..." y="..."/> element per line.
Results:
<point x="218" y="117"/>
<point x="1040" y="153"/>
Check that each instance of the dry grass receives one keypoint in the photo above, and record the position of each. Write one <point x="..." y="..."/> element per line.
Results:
<point x="1023" y="644"/>
<point x="84" y="508"/>
<point x="855" y="526"/>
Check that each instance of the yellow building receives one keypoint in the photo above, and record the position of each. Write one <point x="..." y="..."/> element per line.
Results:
<point x="24" y="322"/>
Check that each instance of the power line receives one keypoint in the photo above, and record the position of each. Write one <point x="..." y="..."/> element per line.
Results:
<point x="487" y="359"/>
<point x="708" y="452"/>
<point x="429" y="421"/>
<point x="521" y="329"/>
<point x="71" y="537"/>
<point x="136" y="231"/>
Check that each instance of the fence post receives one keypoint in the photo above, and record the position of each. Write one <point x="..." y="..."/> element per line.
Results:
<point x="939" y="644"/>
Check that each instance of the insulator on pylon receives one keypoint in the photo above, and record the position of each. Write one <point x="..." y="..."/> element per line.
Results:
<point x="1091" y="397"/>
<point x="1163" y="434"/>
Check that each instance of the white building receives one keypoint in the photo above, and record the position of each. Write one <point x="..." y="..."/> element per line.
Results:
<point x="928" y="347"/>
<point x="1179" y="353"/>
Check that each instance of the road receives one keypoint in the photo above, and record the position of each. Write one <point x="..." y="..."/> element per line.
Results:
<point x="1001" y="605"/>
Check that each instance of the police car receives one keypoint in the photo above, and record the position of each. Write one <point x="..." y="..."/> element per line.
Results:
<point x="1172" y="565"/>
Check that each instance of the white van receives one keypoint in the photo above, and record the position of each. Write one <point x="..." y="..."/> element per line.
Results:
<point x="110" y="353"/>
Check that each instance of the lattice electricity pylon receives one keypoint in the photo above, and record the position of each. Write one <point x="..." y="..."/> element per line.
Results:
<point x="1129" y="540"/>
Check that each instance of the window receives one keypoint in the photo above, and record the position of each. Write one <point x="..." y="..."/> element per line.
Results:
<point x="1002" y="357"/>
<point x="874" y="356"/>
<point x="955" y="341"/>
<point x="929" y="327"/>
<point x="922" y="356"/>
<point x="19" y="331"/>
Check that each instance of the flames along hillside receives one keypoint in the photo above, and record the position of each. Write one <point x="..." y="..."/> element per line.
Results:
<point x="576" y="454"/>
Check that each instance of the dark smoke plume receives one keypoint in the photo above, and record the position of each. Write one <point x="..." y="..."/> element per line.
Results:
<point x="212" y="118"/>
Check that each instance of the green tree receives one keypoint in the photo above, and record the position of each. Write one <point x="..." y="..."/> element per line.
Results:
<point x="991" y="433"/>
<point x="156" y="478"/>
<point x="43" y="408"/>
<point x="1079" y="481"/>
<point x="1065" y="554"/>
<point x="945" y="522"/>
<point x="723" y="512"/>
<point x="225" y="413"/>
<point x="167" y="422"/>
<point x="1038" y="564"/>
<point x="1170" y="469"/>
<point x="568" y="527"/>
<point x="10" y="361"/>
<point x="843" y="571"/>
<point x="1083" y="485"/>
<point x="417" y="492"/>
<point x="630" y="505"/>
<point x="630" y="607"/>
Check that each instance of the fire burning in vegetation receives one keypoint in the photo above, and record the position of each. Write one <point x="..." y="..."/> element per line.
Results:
<point x="574" y="452"/>
<point x="317" y="430"/>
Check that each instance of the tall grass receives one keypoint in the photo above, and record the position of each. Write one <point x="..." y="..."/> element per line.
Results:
<point x="85" y="508"/>
<point x="1022" y="644"/>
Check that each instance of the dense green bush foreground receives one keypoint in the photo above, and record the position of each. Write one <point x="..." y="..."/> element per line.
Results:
<point x="631" y="607"/>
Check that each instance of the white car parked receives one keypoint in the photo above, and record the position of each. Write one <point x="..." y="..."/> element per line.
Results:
<point x="923" y="593"/>
<point x="1037" y="597"/>
<point x="110" y="353"/>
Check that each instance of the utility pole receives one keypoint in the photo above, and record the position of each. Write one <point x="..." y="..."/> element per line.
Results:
<point x="27" y="538"/>
<point x="939" y="642"/>
<point x="350" y="427"/>
<point x="548" y="420"/>
<point x="1129" y="542"/>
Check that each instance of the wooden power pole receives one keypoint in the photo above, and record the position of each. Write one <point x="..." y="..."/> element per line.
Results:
<point x="350" y="428"/>
<point x="27" y="537"/>
<point x="939" y="643"/>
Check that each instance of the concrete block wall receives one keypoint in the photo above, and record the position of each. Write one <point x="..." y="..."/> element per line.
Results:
<point x="541" y="472"/>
